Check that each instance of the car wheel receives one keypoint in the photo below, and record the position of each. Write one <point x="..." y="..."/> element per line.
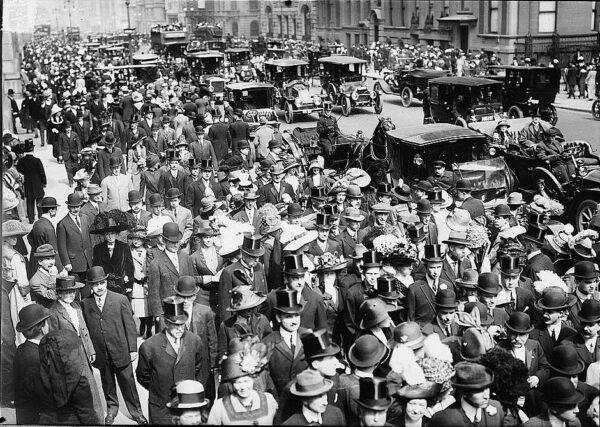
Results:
<point x="288" y="113"/>
<point x="596" y="109"/>
<point x="377" y="87"/>
<point x="551" y="115"/>
<point x="461" y="122"/>
<point x="407" y="97"/>
<point x="346" y="106"/>
<point x="378" y="105"/>
<point x="515" y="112"/>
<point x="585" y="211"/>
<point x="332" y="94"/>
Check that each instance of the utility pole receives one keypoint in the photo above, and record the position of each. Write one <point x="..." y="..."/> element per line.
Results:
<point x="69" y="7"/>
<point x="129" y="30"/>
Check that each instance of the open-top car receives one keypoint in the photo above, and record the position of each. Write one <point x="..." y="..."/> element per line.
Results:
<point x="238" y="60"/>
<point x="342" y="80"/>
<point x="461" y="100"/>
<point x="408" y="84"/>
<point x="255" y="99"/>
<point x="578" y="189"/>
<point x="528" y="90"/>
<point x="292" y="92"/>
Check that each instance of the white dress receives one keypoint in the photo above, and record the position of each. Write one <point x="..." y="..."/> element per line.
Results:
<point x="139" y="292"/>
<point x="15" y="261"/>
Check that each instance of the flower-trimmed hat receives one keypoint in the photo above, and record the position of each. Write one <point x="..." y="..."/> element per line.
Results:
<point x="329" y="262"/>
<point x="243" y="299"/>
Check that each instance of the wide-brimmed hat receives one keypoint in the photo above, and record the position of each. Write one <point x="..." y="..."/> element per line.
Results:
<point x="433" y="253"/>
<point x="317" y="344"/>
<point x="426" y="390"/>
<point x="515" y="199"/>
<point x="519" y="322"/>
<point x="555" y="298"/>
<point x="309" y="383"/>
<point x="94" y="189"/>
<point x="510" y="265"/>
<point x="252" y="245"/>
<point x="472" y="345"/>
<point x="359" y="251"/>
<point x="276" y="169"/>
<point x="564" y="360"/>
<point x="75" y="199"/>
<point x="458" y="220"/>
<point x="402" y="193"/>
<point x="373" y="394"/>
<point x="353" y="214"/>
<point x="67" y="283"/>
<point x="104" y="223"/>
<point x="186" y="286"/>
<point x="409" y="334"/>
<point x="80" y="175"/>
<point x="590" y="311"/>
<point x="457" y="238"/>
<point x="561" y="391"/>
<point x="189" y="395"/>
<point x="366" y="351"/>
<point x="138" y="232"/>
<point x="445" y="299"/>
<point x="286" y="301"/>
<point x="45" y="251"/>
<point x="488" y="283"/>
<point x="243" y="299"/>
<point x="14" y="228"/>
<point x="471" y="376"/>
<point x="329" y="262"/>
<point x="468" y="280"/>
<point x="386" y="288"/>
<point x="171" y="232"/>
<point x="371" y="259"/>
<point x="372" y="312"/>
<point x="31" y="315"/>
<point x="173" y="310"/>
<point x="584" y="249"/>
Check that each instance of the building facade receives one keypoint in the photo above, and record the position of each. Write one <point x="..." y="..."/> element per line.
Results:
<point x="237" y="18"/>
<point x="147" y="13"/>
<point x="510" y="28"/>
<point x="288" y="19"/>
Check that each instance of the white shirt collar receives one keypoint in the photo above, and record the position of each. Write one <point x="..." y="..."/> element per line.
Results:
<point x="172" y="339"/>
<point x="555" y="328"/>
<point x="68" y="307"/>
<point x="33" y="340"/>
<point x="47" y="216"/>
<point x="555" y="421"/>
<point x="173" y="257"/>
<point x="362" y="374"/>
<point x="311" y="416"/>
<point x="470" y="411"/>
<point x="532" y="254"/>
<point x="286" y="335"/>
<point x="102" y="298"/>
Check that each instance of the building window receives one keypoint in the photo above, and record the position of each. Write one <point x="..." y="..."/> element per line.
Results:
<point x="463" y="5"/>
<point x="357" y="39"/>
<point x="493" y="16"/>
<point x="594" y="16"/>
<point x="446" y="10"/>
<point x="253" y="4"/>
<point x="547" y="17"/>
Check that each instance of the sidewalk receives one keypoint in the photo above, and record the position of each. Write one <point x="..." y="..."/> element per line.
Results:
<point x="578" y="104"/>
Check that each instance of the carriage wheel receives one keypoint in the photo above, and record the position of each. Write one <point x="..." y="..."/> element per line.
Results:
<point x="407" y="97"/>
<point x="585" y="211"/>
<point x="378" y="105"/>
<point x="346" y="106"/>
<point x="515" y="112"/>
<point x="596" y="109"/>
<point x="288" y="112"/>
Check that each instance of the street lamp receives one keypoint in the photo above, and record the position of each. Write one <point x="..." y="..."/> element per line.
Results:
<point x="129" y="30"/>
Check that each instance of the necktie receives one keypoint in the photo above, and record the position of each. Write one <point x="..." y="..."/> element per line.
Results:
<point x="77" y="222"/>
<point x="100" y="304"/>
<point x="435" y="286"/>
<point x="176" y="345"/>
<point x="292" y="346"/>
<point x="477" y="417"/>
<point x="448" y="330"/>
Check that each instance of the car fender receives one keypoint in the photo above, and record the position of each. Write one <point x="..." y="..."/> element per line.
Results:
<point x="385" y="87"/>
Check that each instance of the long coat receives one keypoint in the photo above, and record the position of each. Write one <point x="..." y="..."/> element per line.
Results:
<point x="160" y="368"/>
<point x="203" y="325"/>
<point x="420" y="302"/>
<point x="221" y="139"/>
<point x="103" y="166"/>
<point x="35" y="177"/>
<point x="120" y="264"/>
<point x="283" y="365"/>
<point x="70" y="146"/>
<point x="74" y="245"/>
<point x="115" y="190"/>
<point x="59" y="319"/>
<point x="204" y="151"/>
<point x="535" y="359"/>
<point x="163" y="277"/>
<point x="229" y="281"/>
<point x="167" y="181"/>
<point x="28" y="387"/>
<point x="43" y="232"/>
<point x="43" y="288"/>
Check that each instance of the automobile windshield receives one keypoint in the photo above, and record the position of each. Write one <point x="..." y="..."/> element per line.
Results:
<point x="253" y="99"/>
<point x="207" y="65"/>
<point x="483" y="95"/>
<point x="239" y="57"/>
<point x="543" y="80"/>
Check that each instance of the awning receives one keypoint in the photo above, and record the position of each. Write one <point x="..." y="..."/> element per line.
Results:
<point x="458" y="18"/>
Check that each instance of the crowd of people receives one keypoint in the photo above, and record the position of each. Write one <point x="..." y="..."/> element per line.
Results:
<point x="209" y="268"/>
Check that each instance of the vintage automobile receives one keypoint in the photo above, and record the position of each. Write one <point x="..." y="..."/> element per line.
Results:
<point x="343" y="82"/>
<point x="596" y="109"/>
<point x="169" y="40"/>
<point x="579" y="194"/>
<point x="238" y="60"/>
<point x="255" y="99"/>
<point x="276" y="53"/>
<point x="408" y="84"/>
<point x="292" y="93"/>
<point x="527" y="90"/>
<point x="207" y="67"/>
<point x="205" y="45"/>
<point x="460" y="100"/>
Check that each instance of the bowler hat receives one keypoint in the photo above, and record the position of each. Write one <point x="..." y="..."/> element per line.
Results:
<point x="510" y="266"/>
<point x="386" y="288"/>
<point x="317" y="344"/>
<point x="252" y="245"/>
<point x="502" y="210"/>
<point x="155" y="200"/>
<point x="75" y="199"/>
<point x="372" y="312"/>
<point x="366" y="351"/>
<point x="561" y="391"/>
<point x="48" y="202"/>
<point x="354" y="192"/>
<point x="488" y="283"/>
<point x="519" y="322"/>
<point x="173" y="193"/>
<point x="464" y="185"/>
<point x="170" y="232"/>
<point x="45" y="251"/>
<point x="310" y="383"/>
<point x="31" y="315"/>
<point x="294" y="210"/>
<point x="114" y="162"/>
<point x="410" y="334"/>
<point x="173" y="311"/>
<point x="189" y="394"/>
<point x="323" y="221"/>
<point x="186" y="286"/>
<point x="371" y="259"/>
<point x="590" y="311"/>
<point x="67" y="283"/>
<point x="445" y="299"/>
<point x="423" y="185"/>
<point x="373" y="394"/>
<point x="585" y="270"/>
<point x="433" y="253"/>
<point x="294" y="265"/>
<point x="317" y="193"/>
<point x="468" y="280"/>
<point x="134" y="196"/>
<point x="471" y="376"/>
<point x="555" y="298"/>
<point x="424" y="206"/>
<point x="457" y="238"/>
<point x="515" y="199"/>
<point x="286" y="301"/>
<point x="564" y="360"/>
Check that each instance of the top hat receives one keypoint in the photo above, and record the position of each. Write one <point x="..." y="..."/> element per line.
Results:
<point x="45" y="251"/>
<point x="415" y="232"/>
<point x="373" y="394"/>
<point x="538" y="218"/>
<point x="317" y="344"/>
<point x="445" y="299"/>
<point x="433" y="253"/>
<point x="252" y="245"/>
<point x="173" y="311"/>
<point x="171" y="155"/>
<point x="372" y="312"/>
<point x="564" y="360"/>
<point x="95" y="274"/>
<point x="519" y="322"/>
<point x="75" y="199"/>
<point x="294" y="265"/>
<point x="189" y="394"/>
<point x="535" y="233"/>
<point x="585" y="270"/>
<point x="561" y="391"/>
<point x="386" y="288"/>
<point x="435" y="196"/>
<point x="193" y="163"/>
<point x="173" y="193"/>
<point x="155" y="200"/>
<point x="515" y="199"/>
<point x="502" y="210"/>
<point x="366" y="351"/>
<point x="488" y="283"/>
<point x="590" y="311"/>
<point x="48" y="202"/>
<point x="324" y="221"/>
<point x="310" y="383"/>
<point x="384" y="189"/>
<point x="354" y="191"/>
<point x="410" y="334"/>
<point x="469" y="279"/>
<point x="371" y="259"/>
<point x="464" y="185"/>
<point x="318" y="193"/>
<point x="170" y="232"/>
<point x="471" y="376"/>
<point x="555" y="298"/>
<point x="510" y="266"/>
<point x="186" y="286"/>
<point x="286" y="301"/>
<point x="457" y="238"/>
<point x="67" y="283"/>
<point x="332" y="211"/>
<point x="31" y="315"/>
<point x="206" y="164"/>
<point x="134" y="196"/>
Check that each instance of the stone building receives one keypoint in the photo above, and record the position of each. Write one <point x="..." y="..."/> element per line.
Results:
<point x="147" y="13"/>
<point x="288" y="19"/>
<point x="238" y="18"/>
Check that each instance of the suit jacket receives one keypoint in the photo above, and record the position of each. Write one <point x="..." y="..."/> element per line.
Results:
<point x="120" y="264"/>
<point x="524" y="302"/>
<point x="149" y="181"/>
<point x="313" y="315"/>
<point x="167" y="181"/>
<point x="231" y="328"/>
<point x="43" y="288"/>
<point x="183" y="218"/>
<point x="164" y="138"/>
<point x="203" y="325"/>
<point x="103" y="166"/>
<point x="221" y="139"/>
<point x="474" y="206"/>
<point x="70" y="146"/>
<point x="420" y="302"/>
<point x="34" y="176"/>
<point x="332" y="416"/>
<point x="112" y="330"/>
<point x="142" y="220"/>
<point x="29" y="391"/>
<point x="144" y="126"/>
<point x="60" y="319"/>
<point x="129" y="138"/>
<point x="536" y="264"/>
<point x="196" y="191"/>
<point x="268" y="194"/>
<point x="455" y="416"/>
<point x="41" y="233"/>
<point x="283" y="365"/>
<point x="207" y="295"/>
<point x="535" y="359"/>
<point x="74" y="245"/>
<point x="204" y="151"/>
<point x="543" y="420"/>
<point x="584" y="354"/>
<point x="448" y="274"/>
<point x="115" y="190"/>
<point x="541" y="335"/>
<point x="83" y="132"/>
<point x="162" y="279"/>
<point x="228" y="282"/>
<point x="160" y="368"/>
<point x="242" y="216"/>
<point x="90" y="211"/>
<point x="315" y="250"/>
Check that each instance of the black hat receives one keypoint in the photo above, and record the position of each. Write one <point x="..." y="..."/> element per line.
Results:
<point x="170" y="232"/>
<point x="564" y="360"/>
<point x="294" y="265"/>
<point x="324" y="221"/>
<point x="402" y="193"/>
<point x="75" y="199"/>
<point x="386" y="288"/>
<point x="561" y="391"/>
<point x="468" y="280"/>
<point x="519" y="322"/>
<point x="439" y="163"/>
<point x="173" y="193"/>
<point x="555" y="298"/>
<point x="371" y="259"/>
<point x="286" y="301"/>
<point x="384" y="189"/>
<point x="206" y="164"/>
<point x="294" y="210"/>
<point x="445" y="299"/>
<point x="373" y="394"/>
<point x="535" y="233"/>
<point x="590" y="311"/>
<point x="48" y="202"/>
<point x="510" y="266"/>
<point x="173" y="310"/>
<point x="114" y="162"/>
<point x="186" y="286"/>
<point x="134" y="196"/>
<point x="171" y="154"/>
<point x="488" y="283"/>
<point x="318" y="193"/>
<point x="96" y="274"/>
<point x="331" y="210"/>
<point x="366" y="351"/>
<point x="252" y="245"/>
<point x="193" y="163"/>
<point x="317" y="344"/>
<point x="464" y="185"/>
<point x="585" y="270"/>
<point x="484" y="314"/>
<point x="502" y="210"/>
<point x="31" y="315"/>
<point x="435" y="196"/>
<point x="433" y="253"/>
<point x="415" y="232"/>
<point x="67" y="283"/>
<point x="471" y="376"/>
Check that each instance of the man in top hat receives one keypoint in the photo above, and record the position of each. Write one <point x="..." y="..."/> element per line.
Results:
<point x="561" y="399"/>
<point x="202" y="187"/>
<point x="443" y="324"/>
<point x="502" y="225"/>
<point x="139" y="215"/>
<point x="373" y="401"/>
<point x="474" y="206"/>
<point x="168" y="357"/>
<point x="181" y="216"/>
<point x="441" y="178"/>
<point x="287" y="360"/>
<point x="323" y="243"/>
<point x="104" y="166"/>
<point x="252" y="273"/>
<point x="327" y="129"/>
<point x="43" y="231"/>
<point x="34" y="180"/>
<point x="533" y="239"/>
<point x="516" y="293"/>
<point x="586" y="281"/>
<point x="115" y="187"/>
<point x="239" y="130"/>
<point x="474" y="407"/>
<point x="189" y="405"/>
<point x="73" y="240"/>
<point x="276" y="191"/>
<point x="70" y="146"/>
<point x="29" y="391"/>
<point x="313" y="314"/>
<point x="420" y="298"/>
<point x="202" y="149"/>
<point x="220" y="137"/>
<point x="551" y="330"/>
<point x="174" y="176"/>
<point x="43" y="282"/>
<point x="424" y="212"/>
<point x="249" y="214"/>
<point x="114" y="336"/>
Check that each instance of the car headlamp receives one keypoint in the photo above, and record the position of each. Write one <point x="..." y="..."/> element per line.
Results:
<point x="298" y="102"/>
<point x="354" y="95"/>
<point x="211" y="88"/>
<point x="492" y="151"/>
<point x="418" y="160"/>
<point x="373" y="94"/>
<point x="317" y="100"/>
<point x="582" y="171"/>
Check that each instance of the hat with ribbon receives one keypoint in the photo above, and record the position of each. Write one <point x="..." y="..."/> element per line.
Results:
<point x="424" y="207"/>
<point x="94" y="190"/>
<point x="488" y="283"/>
<point x="293" y="210"/>
<point x="366" y="351"/>
<point x="510" y="265"/>
<point x="471" y="376"/>
<point x="410" y="334"/>
<point x="318" y="193"/>
<point x="14" y="228"/>
<point x="189" y="394"/>
<point x="373" y="394"/>
<point x="402" y="193"/>
<point x="371" y="259"/>
<point x="252" y="245"/>
<point x="515" y="199"/>
<point x="95" y="274"/>
<point x="173" y="310"/>
<point x="457" y="238"/>
<point x="45" y="251"/>
<point x="433" y="253"/>
<point x="293" y="265"/>
<point x="67" y="283"/>
<point x="386" y="288"/>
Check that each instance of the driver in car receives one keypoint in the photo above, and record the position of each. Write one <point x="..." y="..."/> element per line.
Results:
<point x="551" y="150"/>
<point x="327" y="129"/>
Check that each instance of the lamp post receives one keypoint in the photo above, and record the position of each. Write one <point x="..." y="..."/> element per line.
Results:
<point x="127" y="3"/>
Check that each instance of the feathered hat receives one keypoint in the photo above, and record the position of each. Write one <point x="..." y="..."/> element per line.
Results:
<point x="112" y="221"/>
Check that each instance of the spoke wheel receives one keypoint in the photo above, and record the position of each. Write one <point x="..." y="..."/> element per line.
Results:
<point x="585" y="211"/>
<point x="407" y="97"/>
<point x="288" y="113"/>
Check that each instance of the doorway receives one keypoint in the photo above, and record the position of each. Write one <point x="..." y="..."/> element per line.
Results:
<point x="464" y="37"/>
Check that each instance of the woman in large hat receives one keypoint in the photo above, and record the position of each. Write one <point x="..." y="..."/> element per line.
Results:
<point x="327" y="269"/>
<point x="412" y="401"/>
<point x="206" y="262"/>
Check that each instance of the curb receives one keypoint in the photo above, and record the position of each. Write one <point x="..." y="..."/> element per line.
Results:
<point x="581" y="110"/>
